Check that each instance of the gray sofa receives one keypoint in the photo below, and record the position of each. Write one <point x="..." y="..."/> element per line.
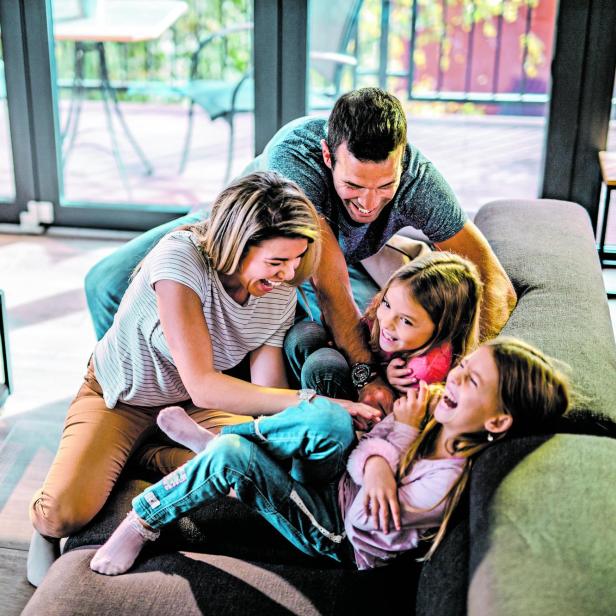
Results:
<point x="535" y="534"/>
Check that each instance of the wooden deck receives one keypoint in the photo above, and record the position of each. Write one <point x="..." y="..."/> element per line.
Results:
<point x="482" y="157"/>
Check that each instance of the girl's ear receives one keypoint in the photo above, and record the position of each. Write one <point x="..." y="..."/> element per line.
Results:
<point x="498" y="424"/>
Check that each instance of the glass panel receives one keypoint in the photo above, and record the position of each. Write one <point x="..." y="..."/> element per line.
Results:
<point x="610" y="234"/>
<point x="126" y="73"/>
<point x="473" y="76"/>
<point x="7" y="179"/>
<point x="611" y="137"/>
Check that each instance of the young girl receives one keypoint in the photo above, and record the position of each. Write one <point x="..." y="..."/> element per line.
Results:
<point x="419" y="325"/>
<point x="425" y="319"/>
<point x="400" y="482"/>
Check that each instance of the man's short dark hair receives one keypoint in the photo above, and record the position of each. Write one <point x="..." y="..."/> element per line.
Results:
<point x="370" y="121"/>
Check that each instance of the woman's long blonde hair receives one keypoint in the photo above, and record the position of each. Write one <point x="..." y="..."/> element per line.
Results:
<point x="255" y="208"/>
<point x="448" y="287"/>
<point x="531" y="389"/>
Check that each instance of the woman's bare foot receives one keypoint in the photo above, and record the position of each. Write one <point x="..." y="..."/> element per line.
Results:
<point x="175" y="422"/>
<point x="122" y="548"/>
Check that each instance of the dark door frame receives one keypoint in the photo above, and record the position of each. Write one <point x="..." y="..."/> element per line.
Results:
<point x="583" y="66"/>
<point x="17" y="96"/>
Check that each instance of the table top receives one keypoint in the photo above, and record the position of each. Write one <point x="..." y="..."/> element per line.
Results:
<point x="122" y="21"/>
<point x="607" y="162"/>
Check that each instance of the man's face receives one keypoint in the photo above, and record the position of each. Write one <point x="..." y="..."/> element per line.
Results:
<point x="365" y="187"/>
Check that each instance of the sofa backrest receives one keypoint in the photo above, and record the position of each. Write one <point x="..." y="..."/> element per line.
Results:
<point x="548" y="249"/>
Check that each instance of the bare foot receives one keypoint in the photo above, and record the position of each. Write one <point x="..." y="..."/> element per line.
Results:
<point x="175" y="422"/>
<point x="122" y="548"/>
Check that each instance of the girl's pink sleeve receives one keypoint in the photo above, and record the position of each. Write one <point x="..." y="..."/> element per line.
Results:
<point x="433" y="366"/>
<point x="389" y="439"/>
<point x="429" y="484"/>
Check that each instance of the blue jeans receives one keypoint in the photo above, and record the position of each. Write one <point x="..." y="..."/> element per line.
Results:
<point x="312" y="361"/>
<point x="302" y="504"/>
<point x="107" y="281"/>
<point x="362" y="286"/>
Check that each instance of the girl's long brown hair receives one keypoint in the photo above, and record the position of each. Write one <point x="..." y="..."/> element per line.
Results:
<point x="449" y="289"/>
<point x="531" y="389"/>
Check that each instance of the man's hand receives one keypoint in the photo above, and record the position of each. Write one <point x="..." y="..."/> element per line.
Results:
<point x="399" y="376"/>
<point x="363" y="415"/>
<point x="411" y="408"/>
<point x="381" y="494"/>
<point x="378" y="394"/>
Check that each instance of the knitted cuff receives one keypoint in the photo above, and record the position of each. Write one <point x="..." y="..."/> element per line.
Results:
<point x="149" y="535"/>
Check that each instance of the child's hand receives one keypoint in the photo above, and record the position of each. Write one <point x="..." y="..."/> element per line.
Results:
<point x="411" y="408"/>
<point x="398" y="375"/>
<point x="381" y="494"/>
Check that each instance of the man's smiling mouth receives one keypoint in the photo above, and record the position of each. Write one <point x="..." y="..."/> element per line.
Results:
<point x="361" y="210"/>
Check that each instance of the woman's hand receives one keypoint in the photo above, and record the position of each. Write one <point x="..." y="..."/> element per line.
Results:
<point x="411" y="408"/>
<point x="399" y="376"/>
<point x="363" y="415"/>
<point x="381" y="494"/>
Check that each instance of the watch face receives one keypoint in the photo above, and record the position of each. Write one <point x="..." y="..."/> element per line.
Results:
<point x="360" y="374"/>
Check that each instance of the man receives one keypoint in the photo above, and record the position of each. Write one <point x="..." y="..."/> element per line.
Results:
<point x="367" y="182"/>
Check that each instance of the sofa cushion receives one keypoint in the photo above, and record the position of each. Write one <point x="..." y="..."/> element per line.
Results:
<point x="562" y="307"/>
<point x="444" y="579"/>
<point x="545" y="541"/>
<point x="189" y="583"/>
<point x="249" y="568"/>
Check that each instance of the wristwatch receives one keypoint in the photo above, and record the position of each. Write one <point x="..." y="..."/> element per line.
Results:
<point x="362" y="374"/>
<point x="306" y="394"/>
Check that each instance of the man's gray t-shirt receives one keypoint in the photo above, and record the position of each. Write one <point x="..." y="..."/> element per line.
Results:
<point x="423" y="200"/>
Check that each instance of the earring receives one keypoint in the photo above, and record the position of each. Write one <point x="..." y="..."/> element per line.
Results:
<point x="490" y="437"/>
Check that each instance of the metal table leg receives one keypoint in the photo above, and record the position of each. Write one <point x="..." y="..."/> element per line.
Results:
<point x="110" y="105"/>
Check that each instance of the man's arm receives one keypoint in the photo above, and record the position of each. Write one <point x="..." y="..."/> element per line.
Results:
<point x="499" y="298"/>
<point x="333" y="288"/>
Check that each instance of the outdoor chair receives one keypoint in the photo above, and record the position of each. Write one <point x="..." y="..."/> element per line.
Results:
<point x="232" y="91"/>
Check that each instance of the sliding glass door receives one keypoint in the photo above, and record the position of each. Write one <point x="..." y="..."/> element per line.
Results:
<point x="473" y="77"/>
<point x="7" y="182"/>
<point x="136" y="110"/>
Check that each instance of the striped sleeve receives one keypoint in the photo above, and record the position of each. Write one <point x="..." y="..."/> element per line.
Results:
<point x="177" y="258"/>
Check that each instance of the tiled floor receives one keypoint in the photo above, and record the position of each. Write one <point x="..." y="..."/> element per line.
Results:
<point x="50" y="339"/>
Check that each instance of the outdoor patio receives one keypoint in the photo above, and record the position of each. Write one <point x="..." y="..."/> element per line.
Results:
<point x="482" y="157"/>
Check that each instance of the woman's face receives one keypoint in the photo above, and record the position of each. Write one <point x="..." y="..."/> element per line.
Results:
<point x="269" y="264"/>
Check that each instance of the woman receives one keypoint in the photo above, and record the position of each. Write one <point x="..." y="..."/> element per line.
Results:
<point x="201" y="301"/>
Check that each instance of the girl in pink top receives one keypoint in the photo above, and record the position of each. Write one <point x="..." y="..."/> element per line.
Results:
<point x="402" y="479"/>
<point x="425" y="319"/>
